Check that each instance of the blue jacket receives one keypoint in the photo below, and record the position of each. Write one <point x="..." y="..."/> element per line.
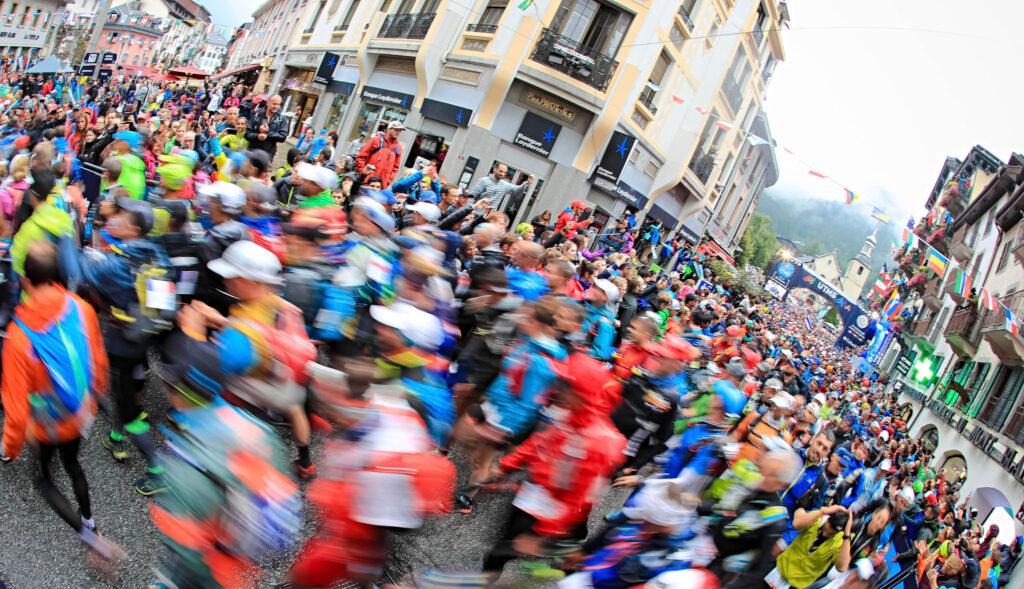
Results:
<point x="518" y="393"/>
<point x="410" y="185"/>
<point x="599" y="329"/>
<point x="111" y="273"/>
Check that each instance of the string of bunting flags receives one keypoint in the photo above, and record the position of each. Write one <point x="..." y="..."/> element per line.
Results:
<point x="83" y="18"/>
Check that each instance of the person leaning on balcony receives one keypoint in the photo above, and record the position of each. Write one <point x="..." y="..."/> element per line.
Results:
<point x="495" y="187"/>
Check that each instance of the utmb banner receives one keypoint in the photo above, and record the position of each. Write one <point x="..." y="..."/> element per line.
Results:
<point x="857" y="325"/>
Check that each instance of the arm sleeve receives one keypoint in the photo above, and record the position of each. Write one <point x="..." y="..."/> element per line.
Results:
<point x="403" y="185"/>
<point x="278" y="132"/>
<point x="252" y="130"/>
<point x="604" y="343"/>
<point x="237" y="353"/>
<point x="452" y="219"/>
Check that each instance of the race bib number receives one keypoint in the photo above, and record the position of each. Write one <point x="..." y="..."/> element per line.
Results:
<point x="160" y="294"/>
<point x="536" y="501"/>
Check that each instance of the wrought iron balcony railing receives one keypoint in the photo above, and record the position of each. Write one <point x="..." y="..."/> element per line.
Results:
<point x="474" y="27"/>
<point x="570" y="57"/>
<point x="406" y="26"/>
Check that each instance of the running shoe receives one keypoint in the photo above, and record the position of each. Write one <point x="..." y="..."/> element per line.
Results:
<point x="463" y="503"/>
<point x="150" y="485"/>
<point x="116" y="448"/>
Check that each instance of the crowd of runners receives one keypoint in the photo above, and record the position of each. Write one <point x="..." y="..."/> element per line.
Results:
<point x="412" y="324"/>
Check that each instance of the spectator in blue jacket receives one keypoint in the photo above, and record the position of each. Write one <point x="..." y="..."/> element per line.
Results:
<point x="599" y="323"/>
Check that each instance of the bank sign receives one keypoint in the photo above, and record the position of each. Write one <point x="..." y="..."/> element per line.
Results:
<point x="537" y="134"/>
<point x="614" y="158"/>
<point x="389" y="97"/>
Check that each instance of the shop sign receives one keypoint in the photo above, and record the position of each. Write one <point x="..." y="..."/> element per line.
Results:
<point x="87" y="70"/>
<point x="105" y="74"/>
<point x="690" y="233"/>
<point x="446" y="113"/>
<point x="622" y="191"/>
<point x="108" y="58"/>
<point x="537" y="134"/>
<point x="91" y="58"/>
<point x="615" y="155"/>
<point x="387" y="96"/>
<point x="550" y="105"/>
<point x="325" y="72"/>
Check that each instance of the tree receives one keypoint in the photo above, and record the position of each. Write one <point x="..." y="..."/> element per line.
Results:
<point x="812" y="248"/>
<point x="832" y="316"/>
<point x="758" y="242"/>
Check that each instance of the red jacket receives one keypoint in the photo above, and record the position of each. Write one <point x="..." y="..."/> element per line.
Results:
<point x="571" y="465"/>
<point x="384" y="154"/>
<point x="567" y="224"/>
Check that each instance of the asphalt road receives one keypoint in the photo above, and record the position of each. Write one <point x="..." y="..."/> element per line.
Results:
<point x="38" y="551"/>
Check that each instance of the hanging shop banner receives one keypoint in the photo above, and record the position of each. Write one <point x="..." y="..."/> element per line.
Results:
<point x="387" y="96"/>
<point x="328" y="63"/>
<point x="446" y="113"/>
<point x="857" y="326"/>
<point x="91" y="58"/>
<point x="615" y="155"/>
<point x="105" y="74"/>
<point x="87" y="70"/>
<point x="537" y="134"/>
<point x="108" y="58"/>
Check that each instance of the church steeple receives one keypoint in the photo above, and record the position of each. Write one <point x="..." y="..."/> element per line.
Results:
<point x="869" y="246"/>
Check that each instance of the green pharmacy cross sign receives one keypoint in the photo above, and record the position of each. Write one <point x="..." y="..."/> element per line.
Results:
<point x="924" y="370"/>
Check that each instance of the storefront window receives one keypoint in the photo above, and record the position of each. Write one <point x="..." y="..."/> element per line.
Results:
<point x="337" y="111"/>
<point x="374" y="117"/>
<point x="428" y="147"/>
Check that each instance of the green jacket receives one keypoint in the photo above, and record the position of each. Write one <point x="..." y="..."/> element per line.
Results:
<point x="46" y="221"/>
<point x="801" y="567"/>
<point x="133" y="175"/>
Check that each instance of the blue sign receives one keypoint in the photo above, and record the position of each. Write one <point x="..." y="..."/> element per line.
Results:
<point x="785" y="270"/>
<point x="537" y="134"/>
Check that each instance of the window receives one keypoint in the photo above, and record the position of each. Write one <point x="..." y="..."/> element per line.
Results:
<point x="709" y="39"/>
<point x="686" y="11"/>
<point x="991" y="221"/>
<point x="596" y="27"/>
<point x="860" y="270"/>
<point x="347" y="19"/>
<point x="1004" y="256"/>
<point x="639" y="118"/>
<point x="316" y="16"/>
<point x="492" y="12"/>
<point x="677" y="36"/>
<point x="649" y="95"/>
<point x="1001" y="397"/>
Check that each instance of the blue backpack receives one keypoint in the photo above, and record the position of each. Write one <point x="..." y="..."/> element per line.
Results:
<point x="64" y="350"/>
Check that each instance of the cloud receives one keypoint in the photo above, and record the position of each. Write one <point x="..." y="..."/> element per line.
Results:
<point x="231" y="14"/>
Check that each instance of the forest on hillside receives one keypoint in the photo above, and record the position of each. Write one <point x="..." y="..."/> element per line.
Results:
<point x="821" y="226"/>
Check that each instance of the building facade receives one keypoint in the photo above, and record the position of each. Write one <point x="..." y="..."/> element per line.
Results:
<point x="958" y="365"/>
<point x="275" y="26"/>
<point x="28" y="28"/>
<point x="213" y="54"/>
<point x="134" y="36"/>
<point x="572" y="92"/>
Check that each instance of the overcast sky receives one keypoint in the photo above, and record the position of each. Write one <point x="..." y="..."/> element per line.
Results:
<point x="874" y="105"/>
<point x="879" y="110"/>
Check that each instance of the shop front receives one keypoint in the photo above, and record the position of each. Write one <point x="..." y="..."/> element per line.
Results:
<point x="336" y="100"/>
<point x="436" y="129"/>
<point x="301" y="95"/>
<point x="379" y="107"/>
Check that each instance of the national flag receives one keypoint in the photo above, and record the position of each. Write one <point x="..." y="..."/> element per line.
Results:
<point x="893" y="306"/>
<point x="808" y="322"/>
<point x="677" y="100"/>
<point x="525" y="4"/>
<point x="702" y="111"/>
<point x="962" y="283"/>
<point x="937" y="262"/>
<point x="850" y="196"/>
<point x="987" y="300"/>
<point x="881" y="216"/>
<point x="909" y="238"/>
<point x="724" y="125"/>
<point x="1011" y="322"/>
<point x="755" y="140"/>
<point x="816" y="174"/>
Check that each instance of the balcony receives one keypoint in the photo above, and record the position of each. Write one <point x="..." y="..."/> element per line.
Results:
<point x="647" y="99"/>
<point x="931" y="296"/>
<point x="962" y="244"/>
<point x="406" y="26"/>
<point x="1008" y="347"/>
<point x="702" y="164"/>
<point x="474" y="27"/>
<point x="573" y="59"/>
<point x="962" y="332"/>
<point x="921" y="328"/>
<point x="733" y="93"/>
<point x="1018" y="244"/>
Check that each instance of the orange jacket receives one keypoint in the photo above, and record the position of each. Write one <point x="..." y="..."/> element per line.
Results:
<point x="24" y="374"/>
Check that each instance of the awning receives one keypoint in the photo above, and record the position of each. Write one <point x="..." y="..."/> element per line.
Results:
<point x="237" y="70"/>
<point x="188" y="71"/>
<point x="666" y="218"/>
<point x="713" y="249"/>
